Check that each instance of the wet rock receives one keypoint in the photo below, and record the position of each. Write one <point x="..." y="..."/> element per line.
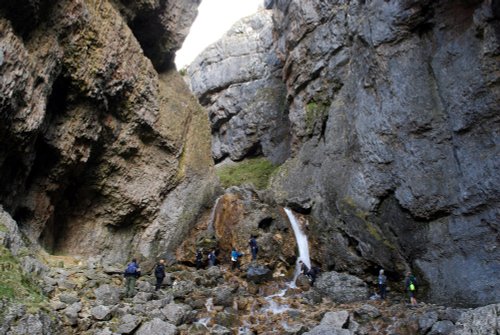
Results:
<point x="442" y="328"/>
<point x="101" y="313"/>
<point x="128" y="323"/>
<point x="176" y="313"/>
<point x="220" y="330"/>
<point x="157" y="327"/>
<point x="107" y="295"/>
<point x="259" y="274"/>
<point x="227" y="318"/>
<point x="341" y="287"/>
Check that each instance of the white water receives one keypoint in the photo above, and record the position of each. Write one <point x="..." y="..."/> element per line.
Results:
<point x="302" y="244"/>
<point x="211" y="224"/>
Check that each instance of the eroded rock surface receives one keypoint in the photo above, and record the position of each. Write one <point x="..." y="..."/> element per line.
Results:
<point x="394" y="110"/>
<point x="104" y="150"/>
<point x="238" y="80"/>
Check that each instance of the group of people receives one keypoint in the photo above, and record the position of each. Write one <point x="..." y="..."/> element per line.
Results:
<point x="235" y="255"/>
<point x="133" y="271"/>
<point x="410" y="285"/>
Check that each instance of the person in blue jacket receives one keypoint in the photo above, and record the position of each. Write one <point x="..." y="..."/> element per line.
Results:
<point x="235" y="255"/>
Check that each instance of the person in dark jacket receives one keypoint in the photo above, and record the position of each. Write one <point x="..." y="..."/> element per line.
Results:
<point x="132" y="272"/>
<point x="212" y="258"/>
<point x="411" y="287"/>
<point x="199" y="259"/>
<point x="253" y="247"/>
<point x="159" y="274"/>
<point x="382" y="284"/>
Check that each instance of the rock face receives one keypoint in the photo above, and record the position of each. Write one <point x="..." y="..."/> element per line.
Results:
<point x="238" y="80"/>
<point x="394" y="111"/>
<point x="102" y="144"/>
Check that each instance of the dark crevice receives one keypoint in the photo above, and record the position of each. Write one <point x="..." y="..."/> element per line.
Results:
<point x="25" y="15"/>
<point x="266" y="223"/>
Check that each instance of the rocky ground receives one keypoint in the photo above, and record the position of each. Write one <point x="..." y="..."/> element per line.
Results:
<point x="87" y="298"/>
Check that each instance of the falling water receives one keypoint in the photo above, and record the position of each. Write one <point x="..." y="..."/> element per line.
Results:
<point x="211" y="223"/>
<point x="301" y="243"/>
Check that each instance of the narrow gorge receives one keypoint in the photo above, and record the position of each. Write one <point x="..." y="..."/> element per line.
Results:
<point x="374" y="123"/>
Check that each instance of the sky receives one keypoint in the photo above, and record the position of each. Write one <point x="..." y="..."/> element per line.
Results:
<point x="215" y="17"/>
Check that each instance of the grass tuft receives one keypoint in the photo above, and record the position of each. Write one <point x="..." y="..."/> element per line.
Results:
<point x="256" y="171"/>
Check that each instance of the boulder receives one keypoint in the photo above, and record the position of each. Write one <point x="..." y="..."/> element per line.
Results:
<point x="367" y="312"/>
<point x="259" y="274"/>
<point x="101" y="313"/>
<point x="107" y="295"/>
<point x="68" y="298"/>
<point x="223" y="296"/>
<point x="480" y="321"/>
<point x="176" y="313"/>
<point x="128" y="323"/>
<point x="335" y="319"/>
<point x="442" y="328"/>
<point x="327" y="330"/>
<point x="426" y="321"/>
<point x="341" y="287"/>
<point x="156" y="327"/>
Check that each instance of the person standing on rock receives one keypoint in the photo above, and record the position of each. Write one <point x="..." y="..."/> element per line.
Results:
<point x="199" y="259"/>
<point x="411" y="287"/>
<point x="382" y="284"/>
<point x="132" y="272"/>
<point x="159" y="274"/>
<point x="212" y="259"/>
<point x="253" y="247"/>
<point x="235" y="255"/>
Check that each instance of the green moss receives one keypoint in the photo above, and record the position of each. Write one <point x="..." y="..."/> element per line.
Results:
<point x="14" y="285"/>
<point x="316" y="112"/>
<point x="256" y="171"/>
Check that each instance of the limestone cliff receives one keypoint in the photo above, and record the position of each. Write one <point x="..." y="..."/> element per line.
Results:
<point x="104" y="151"/>
<point x="393" y="110"/>
<point x="238" y="80"/>
<point x="394" y="107"/>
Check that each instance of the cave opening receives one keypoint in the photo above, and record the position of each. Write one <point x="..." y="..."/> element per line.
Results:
<point x="266" y="223"/>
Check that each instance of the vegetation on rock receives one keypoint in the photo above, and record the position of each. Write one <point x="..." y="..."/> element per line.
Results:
<point x="256" y="171"/>
<point x="14" y="284"/>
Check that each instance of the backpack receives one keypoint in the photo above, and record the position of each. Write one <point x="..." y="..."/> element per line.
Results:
<point x="412" y="284"/>
<point x="159" y="271"/>
<point x="131" y="268"/>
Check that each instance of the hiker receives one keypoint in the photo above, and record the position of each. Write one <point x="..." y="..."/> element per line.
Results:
<point x="199" y="259"/>
<point x="382" y="284"/>
<point x="303" y="268"/>
<point x="212" y="259"/>
<point x="313" y="274"/>
<point x="411" y="287"/>
<point x="132" y="272"/>
<point x="159" y="274"/>
<point x="234" y="258"/>
<point x="253" y="247"/>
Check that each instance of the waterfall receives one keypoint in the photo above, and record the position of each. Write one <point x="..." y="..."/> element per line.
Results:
<point x="302" y="244"/>
<point x="211" y="223"/>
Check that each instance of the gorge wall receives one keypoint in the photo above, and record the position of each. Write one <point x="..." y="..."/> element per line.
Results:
<point x="393" y="116"/>
<point x="104" y="150"/>
<point x="238" y="81"/>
